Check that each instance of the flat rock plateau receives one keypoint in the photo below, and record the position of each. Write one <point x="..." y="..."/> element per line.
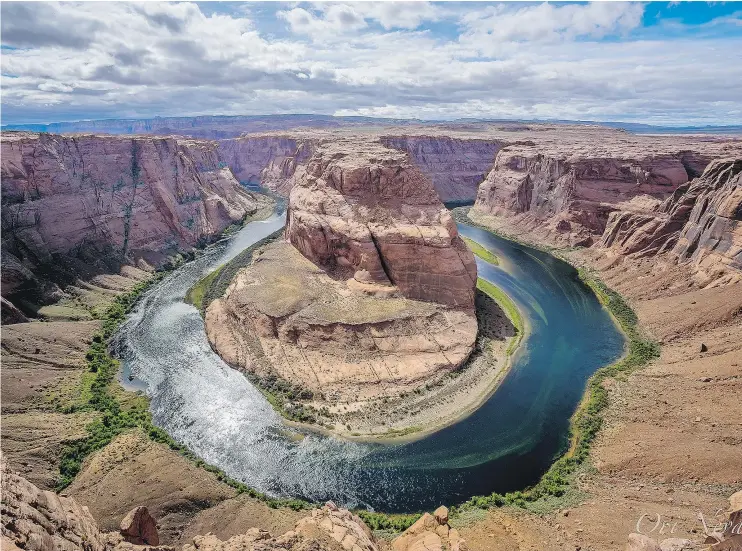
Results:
<point x="88" y="216"/>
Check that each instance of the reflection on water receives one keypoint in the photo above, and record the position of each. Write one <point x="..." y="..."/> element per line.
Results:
<point x="505" y="445"/>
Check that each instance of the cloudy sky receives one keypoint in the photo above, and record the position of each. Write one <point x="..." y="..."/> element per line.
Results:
<point x="642" y="62"/>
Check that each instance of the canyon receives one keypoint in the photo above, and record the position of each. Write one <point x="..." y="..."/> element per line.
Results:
<point x="85" y="205"/>
<point x="658" y="218"/>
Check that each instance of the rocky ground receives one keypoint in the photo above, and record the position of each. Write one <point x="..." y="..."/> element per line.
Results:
<point x="39" y="520"/>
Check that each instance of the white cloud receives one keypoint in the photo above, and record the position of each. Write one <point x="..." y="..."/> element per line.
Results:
<point x="532" y="61"/>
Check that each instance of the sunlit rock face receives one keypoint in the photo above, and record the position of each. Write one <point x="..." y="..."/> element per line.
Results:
<point x="99" y="200"/>
<point x="699" y="224"/>
<point x="363" y="211"/>
<point x="572" y="195"/>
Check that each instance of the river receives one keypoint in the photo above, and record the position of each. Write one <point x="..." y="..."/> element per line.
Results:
<point x="505" y="445"/>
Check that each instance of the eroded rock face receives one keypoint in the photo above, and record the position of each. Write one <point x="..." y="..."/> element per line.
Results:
<point x="363" y="211"/>
<point x="569" y="194"/>
<point x="99" y="201"/>
<point x="267" y="160"/>
<point x="456" y="167"/>
<point x="700" y="223"/>
<point x="40" y="520"/>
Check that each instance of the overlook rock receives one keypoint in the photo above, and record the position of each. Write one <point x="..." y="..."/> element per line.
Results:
<point x="370" y="294"/>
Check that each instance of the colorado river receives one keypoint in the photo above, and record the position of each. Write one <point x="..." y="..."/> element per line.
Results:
<point x="503" y="446"/>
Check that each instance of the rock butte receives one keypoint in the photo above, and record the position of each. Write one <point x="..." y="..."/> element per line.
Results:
<point x="371" y="292"/>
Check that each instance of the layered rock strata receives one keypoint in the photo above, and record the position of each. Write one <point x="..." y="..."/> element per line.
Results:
<point x="366" y="212"/>
<point x="455" y="166"/>
<point x="95" y="202"/>
<point x="572" y="195"/>
<point x="370" y="294"/>
<point x="700" y="223"/>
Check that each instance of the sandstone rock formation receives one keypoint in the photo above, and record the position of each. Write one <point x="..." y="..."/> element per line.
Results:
<point x="455" y="166"/>
<point x="431" y="533"/>
<point x="700" y="223"/>
<point x="571" y="194"/>
<point x="371" y="295"/>
<point x="82" y="205"/>
<point x="138" y="527"/>
<point x="38" y="520"/>
<point x="364" y="211"/>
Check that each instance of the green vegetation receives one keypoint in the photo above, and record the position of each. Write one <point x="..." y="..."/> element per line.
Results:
<point x="588" y="419"/>
<point x="213" y="286"/>
<point x="195" y="294"/>
<point x="384" y="521"/>
<point x="121" y="411"/>
<point x="481" y="252"/>
<point x="508" y="306"/>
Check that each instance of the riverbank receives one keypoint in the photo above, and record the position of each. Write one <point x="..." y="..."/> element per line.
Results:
<point x="660" y="432"/>
<point x="402" y="416"/>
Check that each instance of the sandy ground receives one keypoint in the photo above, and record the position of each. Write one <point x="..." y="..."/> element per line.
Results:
<point x="185" y="499"/>
<point x="672" y="440"/>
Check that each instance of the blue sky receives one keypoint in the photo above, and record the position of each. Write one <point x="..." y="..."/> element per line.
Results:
<point x="655" y="63"/>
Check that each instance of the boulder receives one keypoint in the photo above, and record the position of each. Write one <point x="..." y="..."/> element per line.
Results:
<point x="430" y="533"/>
<point x="139" y="527"/>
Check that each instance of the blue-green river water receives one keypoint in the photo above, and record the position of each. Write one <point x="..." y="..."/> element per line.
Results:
<point x="505" y="445"/>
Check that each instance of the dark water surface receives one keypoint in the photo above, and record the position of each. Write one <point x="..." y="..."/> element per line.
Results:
<point x="505" y="445"/>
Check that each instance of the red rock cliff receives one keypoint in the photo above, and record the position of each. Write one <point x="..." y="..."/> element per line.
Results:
<point x="364" y="211"/>
<point x="122" y="199"/>
<point x="700" y="223"/>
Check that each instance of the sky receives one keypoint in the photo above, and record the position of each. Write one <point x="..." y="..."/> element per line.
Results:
<point x="653" y="63"/>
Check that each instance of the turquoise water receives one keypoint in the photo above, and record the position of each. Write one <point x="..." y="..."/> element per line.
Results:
<point x="505" y="445"/>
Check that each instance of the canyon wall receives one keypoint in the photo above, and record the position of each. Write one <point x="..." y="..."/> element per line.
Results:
<point x="266" y="160"/>
<point x="571" y="195"/>
<point x="86" y="204"/>
<point x="456" y="167"/>
<point x="700" y="223"/>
